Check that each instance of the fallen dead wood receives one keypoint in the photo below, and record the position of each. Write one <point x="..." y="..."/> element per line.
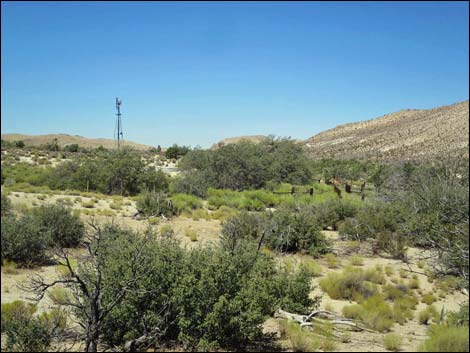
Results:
<point x="321" y="317"/>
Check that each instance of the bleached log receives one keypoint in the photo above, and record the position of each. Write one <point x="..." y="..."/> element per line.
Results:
<point x="329" y="319"/>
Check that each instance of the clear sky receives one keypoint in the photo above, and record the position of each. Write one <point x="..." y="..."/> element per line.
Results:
<point x="194" y="73"/>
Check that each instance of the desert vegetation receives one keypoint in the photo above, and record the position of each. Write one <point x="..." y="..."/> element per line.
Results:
<point x="247" y="238"/>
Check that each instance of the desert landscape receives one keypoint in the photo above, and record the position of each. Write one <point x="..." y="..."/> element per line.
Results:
<point x="235" y="176"/>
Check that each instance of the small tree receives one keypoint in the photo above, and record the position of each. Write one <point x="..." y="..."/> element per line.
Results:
<point x="87" y="281"/>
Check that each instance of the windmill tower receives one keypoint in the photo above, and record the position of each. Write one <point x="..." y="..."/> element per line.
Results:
<point x="118" y="131"/>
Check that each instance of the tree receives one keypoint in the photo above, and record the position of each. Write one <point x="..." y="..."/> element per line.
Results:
<point x="88" y="282"/>
<point x="439" y="215"/>
<point x="125" y="168"/>
<point x="175" y="151"/>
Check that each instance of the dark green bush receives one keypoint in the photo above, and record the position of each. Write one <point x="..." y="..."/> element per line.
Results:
<point x="332" y="212"/>
<point x="241" y="227"/>
<point x="200" y="298"/>
<point x="66" y="228"/>
<point x="293" y="230"/>
<point x="25" y="240"/>
<point x="175" y="151"/>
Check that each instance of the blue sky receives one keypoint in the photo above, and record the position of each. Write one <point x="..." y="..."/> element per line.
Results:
<point x="193" y="73"/>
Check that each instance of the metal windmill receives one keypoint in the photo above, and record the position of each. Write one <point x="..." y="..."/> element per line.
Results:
<point x="118" y="131"/>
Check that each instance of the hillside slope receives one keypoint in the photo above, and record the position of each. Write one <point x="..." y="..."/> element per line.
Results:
<point x="406" y="134"/>
<point x="64" y="139"/>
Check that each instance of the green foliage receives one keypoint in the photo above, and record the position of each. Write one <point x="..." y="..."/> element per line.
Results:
<point x="459" y="318"/>
<point x="374" y="312"/>
<point x="154" y="180"/>
<point x="295" y="230"/>
<point x="247" y="165"/>
<point x="5" y="205"/>
<point x="446" y="339"/>
<point x="25" y="240"/>
<point x="185" y="202"/>
<point x="155" y="204"/>
<point x="332" y="261"/>
<point x="65" y="227"/>
<point x="351" y="284"/>
<point x="393" y="342"/>
<point x="175" y="151"/>
<point x="16" y="311"/>
<point x="241" y="227"/>
<point x="72" y="148"/>
<point x="205" y="297"/>
<point x="380" y="221"/>
<point x="301" y="341"/>
<point x="26" y="333"/>
<point x="427" y="314"/>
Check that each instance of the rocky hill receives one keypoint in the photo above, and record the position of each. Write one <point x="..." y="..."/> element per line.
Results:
<point x="64" y="139"/>
<point x="406" y="134"/>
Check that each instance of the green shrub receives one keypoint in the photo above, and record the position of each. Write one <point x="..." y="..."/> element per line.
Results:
<point x="242" y="227"/>
<point x="459" y="318"/>
<point x="5" y="205"/>
<point x="155" y="204"/>
<point x="293" y="230"/>
<point x="185" y="202"/>
<point x="351" y="284"/>
<point x="166" y="231"/>
<point x="428" y="298"/>
<point x="332" y="261"/>
<point x="88" y="204"/>
<point x="312" y="268"/>
<point x="446" y="339"/>
<point x="27" y="333"/>
<point x="357" y="260"/>
<point x="374" y="312"/>
<point x="115" y="205"/>
<point x="59" y="296"/>
<point x="393" y="342"/>
<point x="16" y="311"/>
<point x="430" y="313"/>
<point x="204" y="297"/>
<point x="198" y="214"/>
<point x="301" y="341"/>
<point x="223" y="213"/>
<point x="66" y="228"/>
<point x="25" y="240"/>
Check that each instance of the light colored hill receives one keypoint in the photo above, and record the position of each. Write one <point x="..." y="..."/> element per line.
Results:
<point x="228" y="141"/>
<point x="64" y="139"/>
<point x="406" y="134"/>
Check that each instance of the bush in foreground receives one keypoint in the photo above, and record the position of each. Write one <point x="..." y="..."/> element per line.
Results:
<point x="446" y="339"/>
<point x="25" y="240"/>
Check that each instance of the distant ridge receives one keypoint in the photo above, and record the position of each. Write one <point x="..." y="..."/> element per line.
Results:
<point x="230" y="140"/>
<point x="406" y="134"/>
<point x="64" y="139"/>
